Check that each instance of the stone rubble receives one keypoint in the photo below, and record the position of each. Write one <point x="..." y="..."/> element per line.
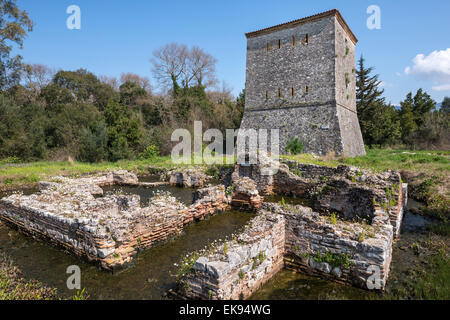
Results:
<point x="345" y="237"/>
<point x="348" y="191"/>
<point x="347" y="233"/>
<point x="187" y="178"/>
<point x="245" y="194"/>
<point x="106" y="230"/>
<point x="247" y="262"/>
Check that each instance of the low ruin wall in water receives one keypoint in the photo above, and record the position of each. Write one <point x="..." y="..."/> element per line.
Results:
<point x="239" y="267"/>
<point x="107" y="230"/>
<point x="345" y="236"/>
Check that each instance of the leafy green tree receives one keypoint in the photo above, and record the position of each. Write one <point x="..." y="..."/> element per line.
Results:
<point x="85" y="86"/>
<point x="13" y="138"/>
<point x="123" y="131"/>
<point x="54" y="94"/>
<point x="14" y="25"/>
<point x="130" y="92"/>
<point x="445" y="107"/>
<point x="407" y="119"/>
<point x="94" y="142"/>
<point x="423" y="104"/>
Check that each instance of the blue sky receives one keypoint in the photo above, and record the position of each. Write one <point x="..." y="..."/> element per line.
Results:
<point x="120" y="36"/>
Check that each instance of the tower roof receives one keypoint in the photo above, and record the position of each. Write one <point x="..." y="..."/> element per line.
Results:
<point x="297" y="22"/>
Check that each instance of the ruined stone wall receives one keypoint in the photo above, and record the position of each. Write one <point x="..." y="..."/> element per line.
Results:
<point x="107" y="230"/>
<point x="339" y="250"/>
<point x="239" y="268"/>
<point x="350" y="192"/>
<point x="207" y="201"/>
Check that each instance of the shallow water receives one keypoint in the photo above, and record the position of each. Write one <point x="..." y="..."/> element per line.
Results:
<point x="288" y="285"/>
<point x="149" y="277"/>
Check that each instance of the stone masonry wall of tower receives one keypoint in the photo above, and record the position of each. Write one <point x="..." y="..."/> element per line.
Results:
<point x="301" y="80"/>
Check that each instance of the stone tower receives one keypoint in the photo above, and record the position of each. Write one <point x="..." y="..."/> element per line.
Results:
<point x="301" y="80"/>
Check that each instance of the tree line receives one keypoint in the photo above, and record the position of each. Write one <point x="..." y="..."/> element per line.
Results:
<point x="56" y="114"/>
<point x="415" y="124"/>
<point x="48" y="114"/>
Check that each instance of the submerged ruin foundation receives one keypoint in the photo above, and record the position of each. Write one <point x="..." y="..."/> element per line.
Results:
<point x="108" y="230"/>
<point x="343" y="231"/>
<point x="345" y="236"/>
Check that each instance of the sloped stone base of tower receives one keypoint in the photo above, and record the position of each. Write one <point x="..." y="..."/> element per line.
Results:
<point x="322" y="127"/>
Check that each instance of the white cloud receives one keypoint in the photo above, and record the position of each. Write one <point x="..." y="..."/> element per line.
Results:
<point x="444" y="87"/>
<point x="434" y="67"/>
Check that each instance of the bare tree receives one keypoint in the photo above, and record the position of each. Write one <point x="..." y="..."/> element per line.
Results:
<point x="203" y="67"/>
<point x="37" y="76"/>
<point x="169" y="63"/>
<point x="174" y="65"/>
<point x="142" y="82"/>
<point x="221" y="94"/>
<point x="111" y="81"/>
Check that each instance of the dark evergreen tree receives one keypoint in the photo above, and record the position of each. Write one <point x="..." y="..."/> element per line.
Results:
<point x="445" y="107"/>
<point x="423" y="104"/>
<point x="378" y="121"/>
<point x="407" y="119"/>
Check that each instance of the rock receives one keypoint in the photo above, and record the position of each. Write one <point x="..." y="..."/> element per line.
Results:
<point x="217" y="268"/>
<point x="123" y="177"/>
<point x="337" y="272"/>
<point x="188" y="178"/>
<point x="200" y="264"/>
<point x="103" y="253"/>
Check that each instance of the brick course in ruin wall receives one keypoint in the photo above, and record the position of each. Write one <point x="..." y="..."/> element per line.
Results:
<point x="341" y="251"/>
<point x="249" y="261"/>
<point x="109" y="230"/>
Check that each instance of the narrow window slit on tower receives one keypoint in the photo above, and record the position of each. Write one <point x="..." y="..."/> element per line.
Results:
<point x="279" y="44"/>
<point x="306" y="89"/>
<point x="279" y="93"/>
<point x="294" y="40"/>
<point x="267" y="95"/>
<point x="292" y="92"/>
<point x="305" y="39"/>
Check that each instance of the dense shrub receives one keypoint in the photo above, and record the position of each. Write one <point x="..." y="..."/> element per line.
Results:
<point x="294" y="146"/>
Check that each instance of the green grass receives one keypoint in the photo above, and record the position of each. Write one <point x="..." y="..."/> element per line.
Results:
<point x="20" y="174"/>
<point x="387" y="159"/>
<point x="427" y="278"/>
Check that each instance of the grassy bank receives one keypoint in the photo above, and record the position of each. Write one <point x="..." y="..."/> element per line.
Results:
<point x="15" y="175"/>
<point x="426" y="172"/>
